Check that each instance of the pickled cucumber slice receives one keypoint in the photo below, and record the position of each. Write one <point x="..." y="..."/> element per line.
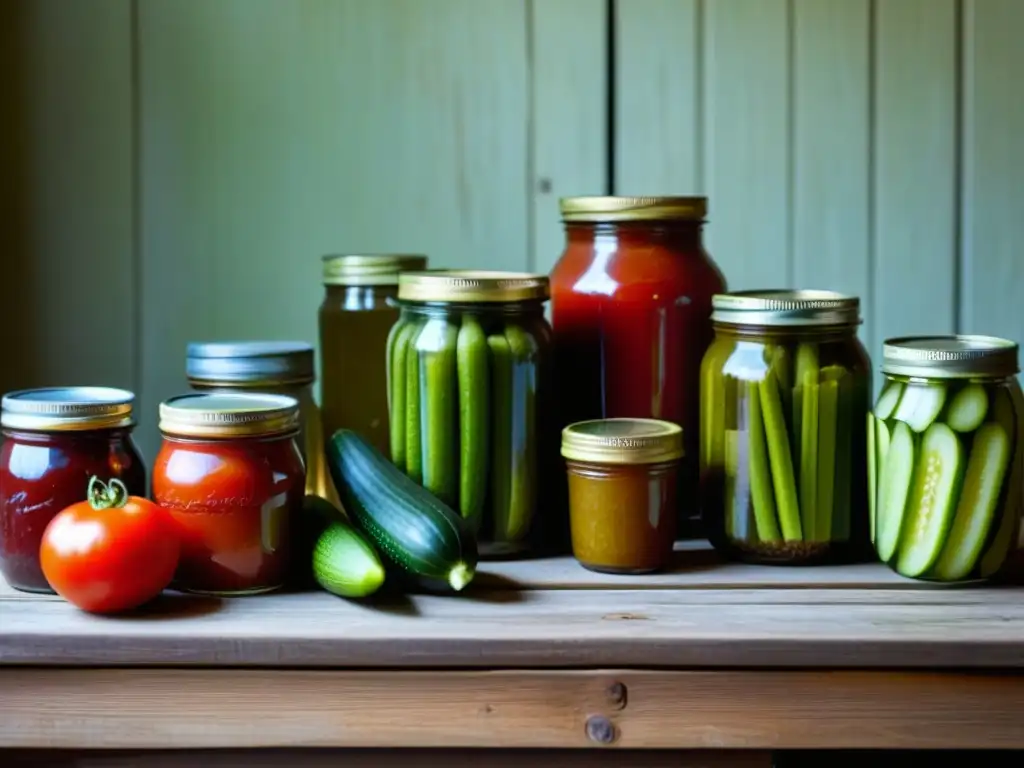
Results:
<point x="872" y="474"/>
<point x="929" y="513"/>
<point x="888" y="400"/>
<point x="897" y="472"/>
<point x="1006" y="414"/>
<point x="761" y="494"/>
<point x="983" y="481"/>
<point x="967" y="408"/>
<point x="920" y="405"/>
<point x="780" y="459"/>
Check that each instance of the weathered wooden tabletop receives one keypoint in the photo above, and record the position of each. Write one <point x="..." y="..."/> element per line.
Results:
<point x="538" y="654"/>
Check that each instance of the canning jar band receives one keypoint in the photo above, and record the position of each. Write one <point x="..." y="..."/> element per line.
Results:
<point x="960" y="356"/>
<point x="610" y="209"/>
<point x="370" y="269"/>
<point x="472" y="286"/>
<point x="68" y="409"/>
<point x="623" y="441"/>
<point x="443" y="308"/>
<point x="245" y="362"/>
<point x="216" y="415"/>
<point x="783" y="308"/>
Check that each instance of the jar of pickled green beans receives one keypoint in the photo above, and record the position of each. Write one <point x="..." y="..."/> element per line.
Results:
<point x="785" y="391"/>
<point x="945" y="457"/>
<point x="469" y="378"/>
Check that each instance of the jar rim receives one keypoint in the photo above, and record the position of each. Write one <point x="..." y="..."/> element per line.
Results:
<point x="369" y="268"/>
<point x="229" y="415"/>
<point x="250" y="362"/>
<point x="472" y="286"/>
<point x="67" y="409"/>
<point x="950" y="357"/>
<point x="782" y="307"/>
<point x="623" y="441"/>
<point x="618" y="208"/>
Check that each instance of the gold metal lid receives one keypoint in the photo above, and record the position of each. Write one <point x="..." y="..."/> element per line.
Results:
<point x="950" y="357"/>
<point x="229" y="414"/>
<point x="623" y="441"/>
<point x="67" y="409"/>
<point x="471" y="286"/>
<point x="612" y="209"/>
<point x="369" y="268"/>
<point x="785" y="308"/>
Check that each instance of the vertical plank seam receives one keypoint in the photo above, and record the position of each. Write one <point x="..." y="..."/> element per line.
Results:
<point x="611" y="82"/>
<point x="135" y="112"/>
<point x="791" y="107"/>
<point x="699" y="137"/>
<point x="873" y="315"/>
<point x="959" y="147"/>
<point x="530" y="20"/>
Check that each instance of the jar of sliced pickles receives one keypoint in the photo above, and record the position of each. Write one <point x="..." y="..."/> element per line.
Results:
<point x="468" y="370"/>
<point x="785" y="389"/>
<point x="946" y="457"/>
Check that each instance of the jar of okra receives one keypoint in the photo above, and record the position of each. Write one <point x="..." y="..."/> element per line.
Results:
<point x="785" y="391"/>
<point x="469" y="369"/>
<point x="946" y="460"/>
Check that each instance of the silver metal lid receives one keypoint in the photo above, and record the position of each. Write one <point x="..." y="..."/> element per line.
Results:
<point x="785" y="308"/>
<point x="229" y="414"/>
<point x="950" y="357"/>
<point x="250" y="363"/>
<point x="67" y="409"/>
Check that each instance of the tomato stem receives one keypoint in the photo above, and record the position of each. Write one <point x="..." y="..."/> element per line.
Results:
<point x="110" y="495"/>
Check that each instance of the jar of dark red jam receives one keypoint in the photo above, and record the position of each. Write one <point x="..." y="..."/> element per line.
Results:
<point x="631" y="315"/>
<point x="230" y="472"/>
<point x="54" y="440"/>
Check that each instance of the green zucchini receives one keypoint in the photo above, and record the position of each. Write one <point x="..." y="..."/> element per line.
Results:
<point x="1007" y="406"/>
<point x="345" y="564"/>
<point x="474" y="427"/>
<point x="896" y="456"/>
<point x="409" y="525"/>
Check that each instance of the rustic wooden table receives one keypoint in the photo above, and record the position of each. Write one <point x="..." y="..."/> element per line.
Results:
<point x="538" y="654"/>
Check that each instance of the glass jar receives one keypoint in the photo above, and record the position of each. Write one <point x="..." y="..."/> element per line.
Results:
<point x="54" y="441"/>
<point x="230" y="473"/>
<point x="271" y="367"/>
<point x="356" y="316"/>
<point x="469" y="388"/>
<point x="631" y="315"/>
<point x="623" y="477"/>
<point x="946" y="457"/>
<point x="785" y="390"/>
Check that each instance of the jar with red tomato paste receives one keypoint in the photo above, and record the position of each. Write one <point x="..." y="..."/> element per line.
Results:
<point x="54" y="441"/>
<point x="230" y="473"/>
<point x="631" y="315"/>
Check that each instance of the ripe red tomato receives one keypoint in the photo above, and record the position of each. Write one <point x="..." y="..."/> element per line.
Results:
<point x="112" y="552"/>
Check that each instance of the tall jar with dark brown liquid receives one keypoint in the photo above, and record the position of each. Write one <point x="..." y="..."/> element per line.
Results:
<point x="356" y="316"/>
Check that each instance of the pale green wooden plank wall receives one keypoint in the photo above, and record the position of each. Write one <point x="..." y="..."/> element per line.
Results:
<point x="177" y="166"/>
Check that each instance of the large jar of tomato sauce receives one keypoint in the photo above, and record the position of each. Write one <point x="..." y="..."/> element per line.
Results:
<point x="631" y="316"/>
